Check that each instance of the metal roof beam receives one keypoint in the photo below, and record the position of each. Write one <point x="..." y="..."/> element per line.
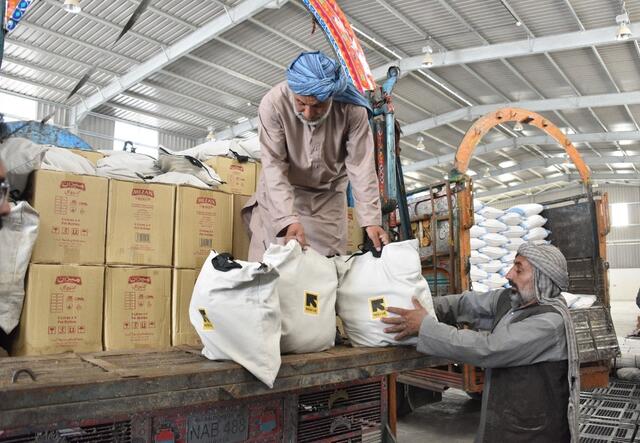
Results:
<point x="167" y="55"/>
<point x="553" y="104"/>
<point x="598" y="137"/>
<point x="540" y="45"/>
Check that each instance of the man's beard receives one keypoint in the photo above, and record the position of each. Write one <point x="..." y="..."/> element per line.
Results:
<point x="522" y="297"/>
<point x="315" y="122"/>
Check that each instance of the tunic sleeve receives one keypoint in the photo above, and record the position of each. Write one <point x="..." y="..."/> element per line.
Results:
<point x="273" y="146"/>
<point x="360" y="166"/>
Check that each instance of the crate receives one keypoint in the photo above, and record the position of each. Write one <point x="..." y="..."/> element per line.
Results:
<point x="617" y="390"/>
<point x="608" y="410"/>
<point x="597" y="432"/>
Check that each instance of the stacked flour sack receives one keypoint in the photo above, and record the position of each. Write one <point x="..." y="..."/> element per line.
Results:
<point x="496" y="237"/>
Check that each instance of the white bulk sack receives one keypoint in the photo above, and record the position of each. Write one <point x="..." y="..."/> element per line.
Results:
<point x="21" y="157"/>
<point x="494" y="239"/>
<point x="368" y="285"/>
<point x="17" y="237"/>
<point x="128" y="166"/>
<point x="537" y="234"/>
<point x="61" y="159"/>
<point x="307" y="291"/>
<point x="479" y="287"/>
<point x="526" y="210"/>
<point x="476" y="244"/>
<point x="478" y="218"/>
<point x="514" y="244"/>
<point x="249" y="147"/>
<point x="490" y="212"/>
<point x="540" y="242"/>
<point x="494" y="252"/>
<point x="492" y="267"/>
<point x="535" y="221"/>
<point x="477" y="231"/>
<point x="237" y="315"/>
<point x="476" y="258"/>
<point x="493" y="225"/>
<point x="186" y="164"/>
<point x="514" y="232"/>
<point x="505" y="269"/>
<point x="511" y="219"/>
<point x="179" y="178"/>
<point x="477" y="274"/>
<point x="477" y="205"/>
<point x="495" y="281"/>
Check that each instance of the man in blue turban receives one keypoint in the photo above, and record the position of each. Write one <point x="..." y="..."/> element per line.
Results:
<point x="314" y="139"/>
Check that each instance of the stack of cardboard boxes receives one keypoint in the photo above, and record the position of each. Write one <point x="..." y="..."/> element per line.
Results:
<point x="116" y="261"/>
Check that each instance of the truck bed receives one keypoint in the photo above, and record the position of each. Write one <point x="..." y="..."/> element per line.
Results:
<point x="73" y="386"/>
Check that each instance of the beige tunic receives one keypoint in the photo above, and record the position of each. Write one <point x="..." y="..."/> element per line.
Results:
<point x="305" y="171"/>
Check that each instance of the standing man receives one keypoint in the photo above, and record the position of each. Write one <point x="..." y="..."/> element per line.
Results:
<point x="314" y="138"/>
<point x="526" y="343"/>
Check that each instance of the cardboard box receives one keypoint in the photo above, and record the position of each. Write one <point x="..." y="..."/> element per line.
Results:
<point x="182" y="332"/>
<point x="204" y="221"/>
<point x="73" y="213"/>
<point x="240" y="178"/>
<point x="137" y="308"/>
<point x="92" y="156"/>
<point x="62" y="310"/>
<point x="140" y="223"/>
<point x="241" y="238"/>
<point x="355" y="236"/>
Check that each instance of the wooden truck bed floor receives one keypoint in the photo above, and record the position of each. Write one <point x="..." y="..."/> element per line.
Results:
<point x="71" y="386"/>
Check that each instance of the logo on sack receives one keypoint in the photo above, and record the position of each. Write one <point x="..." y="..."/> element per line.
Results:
<point x="237" y="168"/>
<point x="140" y="192"/>
<point x="69" y="184"/>
<point x="206" y="323"/>
<point x="377" y="307"/>
<point x="133" y="279"/>
<point x="206" y="201"/>
<point x="311" y="306"/>
<point x="68" y="279"/>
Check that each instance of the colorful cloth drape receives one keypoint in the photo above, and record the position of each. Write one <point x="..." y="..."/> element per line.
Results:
<point x="16" y="9"/>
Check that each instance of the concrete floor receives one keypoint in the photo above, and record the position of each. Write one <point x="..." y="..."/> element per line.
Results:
<point x="456" y="418"/>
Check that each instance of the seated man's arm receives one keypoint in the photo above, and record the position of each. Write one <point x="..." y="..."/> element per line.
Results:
<point x="466" y="307"/>
<point x="536" y="339"/>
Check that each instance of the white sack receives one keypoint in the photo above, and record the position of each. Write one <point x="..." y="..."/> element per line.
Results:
<point x="536" y="234"/>
<point x="17" y="237"/>
<point x="494" y="252"/>
<point x="249" y="147"/>
<point x="476" y="244"/>
<point x="237" y="316"/>
<point x="535" y="221"/>
<point x="477" y="274"/>
<point x="21" y="157"/>
<point x="477" y="218"/>
<point x="509" y="258"/>
<point x="492" y="267"/>
<point x="490" y="212"/>
<point x="495" y="281"/>
<point x="476" y="258"/>
<point x="514" y="232"/>
<point x="526" y="210"/>
<point x="61" y="159"/>
<point x="178" y="178"/>
<point x="369" y="285"/>
<point x="307" y="290"/>
<point x="505" y="269"/>
<point x="511" y="219"/>
<point x="479" y="287"/>
<point x="185" y="164"/>
<point x="578" y="301"/>
<point x="477" y="205"/>
<point x="493" y="225"/>
<point x="540" y="242"/>
<point x="127" y="166"/>
<point x="494" y="239"/>
<point x="514" y="244"/>
<point x="477" y="231"/>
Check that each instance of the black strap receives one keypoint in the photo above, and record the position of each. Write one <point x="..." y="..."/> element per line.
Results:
<point x="367" y="247"/>
<point x="239" y="157"/>
<point x="225" y="262"/>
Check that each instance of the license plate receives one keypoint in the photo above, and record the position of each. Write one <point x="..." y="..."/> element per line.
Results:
<point x="224" y="425"/>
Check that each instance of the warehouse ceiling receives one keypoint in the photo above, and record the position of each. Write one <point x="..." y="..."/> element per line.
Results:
<point x="191" y="65"/>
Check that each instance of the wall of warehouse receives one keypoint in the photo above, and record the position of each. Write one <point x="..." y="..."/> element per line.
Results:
<point x="623" y="242"/>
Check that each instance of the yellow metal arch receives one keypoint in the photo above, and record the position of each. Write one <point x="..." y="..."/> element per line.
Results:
<point x="504" y="115"/>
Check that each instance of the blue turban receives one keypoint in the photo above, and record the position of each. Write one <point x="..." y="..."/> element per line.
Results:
<point x="313" y="73"/>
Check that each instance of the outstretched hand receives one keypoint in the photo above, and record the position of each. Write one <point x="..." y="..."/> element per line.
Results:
<point x="407" y="322"/>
